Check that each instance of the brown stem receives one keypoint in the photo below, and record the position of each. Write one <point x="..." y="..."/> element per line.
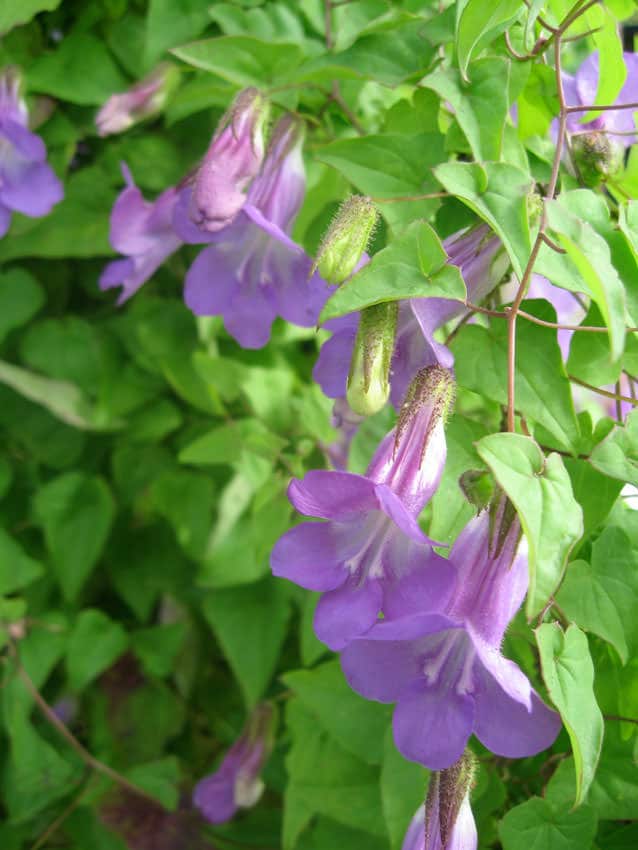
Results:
<point x="57" y="823"/>
<point x="605" y="108"/>
<point x="620" y="718"/>
<point x="601" y="391"/>
<point x="405" y="198"/>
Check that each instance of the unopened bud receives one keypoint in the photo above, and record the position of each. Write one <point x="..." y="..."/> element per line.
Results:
<point x="534" y="208"/>
<point x="597" y="157"/>
<point x="144" y="100"/>
<point x="369" y="378"/>
<point x="347" y="238"/>
<point x="478" y="487"/>
<point x="448" y="794"/>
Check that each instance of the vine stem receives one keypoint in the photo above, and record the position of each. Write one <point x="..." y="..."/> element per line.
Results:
<point x="69" y="737"/>
<point x="601" y="391"/>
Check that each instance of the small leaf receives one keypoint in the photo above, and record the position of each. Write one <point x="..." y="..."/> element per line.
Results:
<point x="538" y="825"/>
<point x="602" y="597"/>
<point x="95" y="643"/>
<point x="17" y="569"/>
<point x="568" y="673"/>
<point x="16" y="12"/>
<point x="617" y="454"/>
<point x="412" y="266"/>
<point x="478" y="24"/>
<point x="497" y="192"/>
<point x="542" y="494"/>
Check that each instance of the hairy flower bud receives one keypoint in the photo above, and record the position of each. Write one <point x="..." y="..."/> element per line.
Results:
<point x="347" y="238"/>
<point x="597" y="157"/>
<point x="144" y="100"/>
<point x="449" y="824"/>
<point x="369" y="378"/>
<point x="478" y="487"/>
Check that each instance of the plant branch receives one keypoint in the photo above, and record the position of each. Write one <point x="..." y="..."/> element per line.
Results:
<point x="601" y="391"/>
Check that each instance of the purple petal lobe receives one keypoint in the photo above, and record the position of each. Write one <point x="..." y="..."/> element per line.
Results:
<point x="379" y="670"/>
<point x="307" y="555"/>
<point x="214" y="797"/>
<point x="347" y="613"/>
<point x="427" y="584"/>
<point x="332" y="495"/>
<point x="432" y="725"/>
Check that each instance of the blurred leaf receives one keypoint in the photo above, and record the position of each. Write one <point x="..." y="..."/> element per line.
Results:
<point x="542" y="495"/>
<point x="356" y="724"/>
<point x="412" y="266"/>
<point x="243" y="60"/>
<point x="602" y="596"/>
<point x="21" y="296"/>
<point x="185" y="499"/>
<point x="94" y="644"/>
<point x="76" y="512"/>
<point x="158" y="646"/>
<point x="250" y="623"/>
<point x="80" y="70"/>
<point x="404" y="786"/>
<point x="160" y="779"/>
<point x="16" y="12"/>
<point x="568" y="673"/>
<point x="170" y="21"/>
<point x="617" y="454"/>
<point x="17" y="569"/>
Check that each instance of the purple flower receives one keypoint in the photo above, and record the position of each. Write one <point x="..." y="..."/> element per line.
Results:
<point x="143" y="232"/>
<point x="415" y="347"/>
<point x="568" y="305"/>
<point x="234" y="157"/>
<point x="372" y="543"/>
<point x="237" y="784"/>
<point x="143" y="100"/>
<point x="27" y="182"/>
<point x="252" y="271"/>
<point x="346" y="422"/>
<point x="580" y="90"/>
<point x="445" y="671"/>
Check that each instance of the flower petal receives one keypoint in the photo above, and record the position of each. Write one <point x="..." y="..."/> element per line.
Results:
<point x="332" y="494"/>
<point x="347" y="613"/>
<point x="380" y="670"/>
<point x="333" y="363"/>
<point x="392" y="506"/>
<point x="214" y="797"/>
<point x="506" y="726"/>
<point x="307" y="555"/>
<point x="426" y="585"/>
<point x="506" y="674"/>
<point x="32" y="190"/>
<point x="432" y="725"/>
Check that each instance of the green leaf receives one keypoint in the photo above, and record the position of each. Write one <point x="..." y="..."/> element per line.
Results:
<point x="356" y="724"/>
<point x="17" y="569"/>
<point x="595" y="492"/>
<point x="403" y="789"/>
<point x="94" y="644"/>
<point x="76" y="512"/>
<point x="185" y="499"/>
<point x="158" y="646"/>
<point x="250" y="623"/>
<point x="542" y="494"/>
<point x="243" y="60"/>
<point x="568" y="673"/>
<point x="16" y="12"/>
<point x="81" y="70"/>
<point x="601" y="597"/>
<point x="77" y="227"/>
<point x="480" y="108"/>
<point x="591" y="256"/>
<point x="35" y="775"/>
<point x="170" y="21"/>
<point x="497" y="192"/>
<point x="479" y="24"/>
<point x="225" y="444"/>
<point x="543" y="391"/>
<point x="390" y="166"/>
<point x="617" y="454"/>
<point x="160" y="779"/>
<point x="612" y="70"/>
<point x="412" y="266"/>
<point x="324" y="778"/>
<point x="538" y="825"/>
<point x="21" y="296"/>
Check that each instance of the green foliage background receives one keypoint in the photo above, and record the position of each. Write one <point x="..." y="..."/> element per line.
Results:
<point x="145" y="455"/>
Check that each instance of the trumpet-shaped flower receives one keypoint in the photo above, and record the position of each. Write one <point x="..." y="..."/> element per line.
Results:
<point x="143" y="100"/>
<point x="372" y="542"/>
<point x="27" y="182"/>
<point x="415" y="347"/>
<point x="252" y="271"/>
<point x="143" y="232"/>
<point x="445" y="671"/>
<point x="237" y="784"/>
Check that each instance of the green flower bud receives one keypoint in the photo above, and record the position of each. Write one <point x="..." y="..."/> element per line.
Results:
<point x="447" y="791"/>
<point x="346" y="240"/>
<point x="597" y="157"/>
<point x="534" y="208"/>
<point x="478" y="487"/>
<point x="369" y="378"/>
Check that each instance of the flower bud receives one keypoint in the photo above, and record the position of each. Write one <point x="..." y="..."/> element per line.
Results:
<point x="597" y="157"/>
<point x="369" y="378"/>
<point x="478" y="487"/>
<point x="347" y="238"/>
<point x="144" y="100"/>
<point x="234" y="157"/>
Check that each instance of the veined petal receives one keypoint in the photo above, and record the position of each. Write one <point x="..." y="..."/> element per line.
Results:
<point x="347" y="612"/>
<point x="332" y="494"/>
<point x="379" y="670"/>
